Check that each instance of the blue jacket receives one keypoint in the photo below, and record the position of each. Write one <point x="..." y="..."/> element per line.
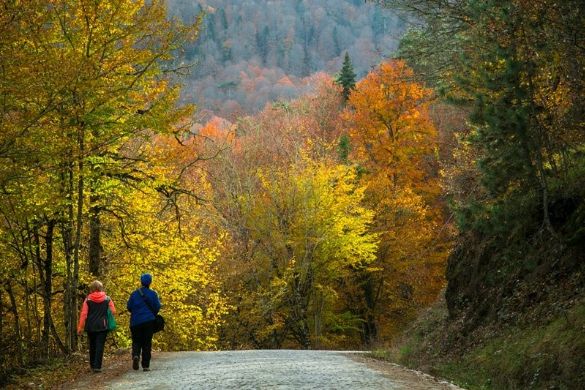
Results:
<point x="140" y="313"/>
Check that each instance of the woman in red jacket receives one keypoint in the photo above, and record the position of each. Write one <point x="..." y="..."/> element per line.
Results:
<point x="94" y="320"/>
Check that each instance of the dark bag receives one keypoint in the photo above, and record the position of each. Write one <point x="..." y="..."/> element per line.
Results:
<point x="159" y="321"/>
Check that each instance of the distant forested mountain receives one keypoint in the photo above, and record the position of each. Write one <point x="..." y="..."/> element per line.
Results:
<point x="251" y="52"/>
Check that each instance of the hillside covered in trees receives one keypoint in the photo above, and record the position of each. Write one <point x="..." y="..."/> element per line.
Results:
<point x="281" y="228"/>
<point x="256" y="51"/>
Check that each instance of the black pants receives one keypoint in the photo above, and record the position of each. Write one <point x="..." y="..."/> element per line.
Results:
<point x="97" y="340"/>
<point x="142" y="341"/>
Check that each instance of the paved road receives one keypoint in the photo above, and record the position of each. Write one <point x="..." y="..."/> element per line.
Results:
<point x="281" y="369"/>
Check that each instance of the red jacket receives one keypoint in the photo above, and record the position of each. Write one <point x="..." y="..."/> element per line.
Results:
<point x="97" y="297"/>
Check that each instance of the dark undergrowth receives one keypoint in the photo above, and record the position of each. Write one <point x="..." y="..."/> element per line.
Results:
<point x="48" y="375"/>
<point x="513" y="313"/>
<point x="63" y="373"/>
<point x="523" y="328"/>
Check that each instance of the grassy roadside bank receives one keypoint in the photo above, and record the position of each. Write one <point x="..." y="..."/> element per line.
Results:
<point x="545" y="355"/>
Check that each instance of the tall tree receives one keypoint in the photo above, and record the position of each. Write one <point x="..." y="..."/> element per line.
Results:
<point x="346" y="77"/>
<point x="393" y="140"/>
<point x="262" y="43"/>
<point x="517" y="67"/>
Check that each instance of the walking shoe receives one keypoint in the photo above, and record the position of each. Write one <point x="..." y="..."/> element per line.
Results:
<point x="97" y="370"/>
<point x="135" y="360"/>
<point x="146" y="369"/>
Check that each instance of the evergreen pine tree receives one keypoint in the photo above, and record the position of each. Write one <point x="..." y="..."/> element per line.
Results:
<point x="262" y="38"/>
<point x="336" y="45"/>
<point x="223" y="19"/>
<point x="346" y="77"/>
<point x="378" y="24"/>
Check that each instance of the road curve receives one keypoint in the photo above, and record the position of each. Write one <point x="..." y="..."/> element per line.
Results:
<point x="263" y="369"/>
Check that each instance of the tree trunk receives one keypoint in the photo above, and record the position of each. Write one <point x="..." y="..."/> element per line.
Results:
<point x="67" y="235"/>
<point x="27" y="309"/>
<point x="48" y="288"/>
<point x="539" y="139"/>
<point x="2" y="342"/>
<point x="300" y="297"/>
<point x="79" y="224"/>
<point x="17" y="332"/>
<point x="60" y="344"/>
<point x="369" y="327"/>
<point x="36" y="267"/>
<point x="44" y="345"/>
<point x="95" y="245"/>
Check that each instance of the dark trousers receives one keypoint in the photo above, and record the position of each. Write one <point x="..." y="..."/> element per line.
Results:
<point x="142" y="341"/>
<point x="97" y="341"/>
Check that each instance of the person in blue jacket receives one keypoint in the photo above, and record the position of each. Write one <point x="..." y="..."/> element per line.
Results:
<point x="143" y="305"/>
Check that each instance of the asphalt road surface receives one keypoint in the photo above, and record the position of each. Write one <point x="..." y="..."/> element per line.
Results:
<point x="267" y="369"/>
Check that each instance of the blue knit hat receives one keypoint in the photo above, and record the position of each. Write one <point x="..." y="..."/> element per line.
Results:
<point x="146" y="279"/>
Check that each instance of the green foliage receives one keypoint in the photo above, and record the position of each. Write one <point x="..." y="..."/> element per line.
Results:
<point x="504" y="60"/>
<point x="516" y="188"/>
<point x="343" y="149"/>
<point x="502" y="128"/>
<point x="346" y="77"/>
<point x="518" y="216"/>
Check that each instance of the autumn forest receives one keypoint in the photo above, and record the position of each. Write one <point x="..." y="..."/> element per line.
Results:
<point x="313" y="184"/>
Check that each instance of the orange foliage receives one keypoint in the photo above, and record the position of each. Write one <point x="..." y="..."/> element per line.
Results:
<point x="285" y="81"/>
<point x="311" y="123"/>
<point x="391" y="129"/>
<point x="218" y="129"/>
<point x="394" y="140"/>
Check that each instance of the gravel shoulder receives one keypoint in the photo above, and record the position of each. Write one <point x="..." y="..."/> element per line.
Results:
<point x="402" y="376"/>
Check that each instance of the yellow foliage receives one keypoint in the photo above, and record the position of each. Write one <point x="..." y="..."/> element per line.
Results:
<point x="309" y="230"/>
<point x="183" y="272"/>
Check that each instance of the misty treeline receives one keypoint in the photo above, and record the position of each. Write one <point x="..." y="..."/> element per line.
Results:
<point x="256" y="51"/>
